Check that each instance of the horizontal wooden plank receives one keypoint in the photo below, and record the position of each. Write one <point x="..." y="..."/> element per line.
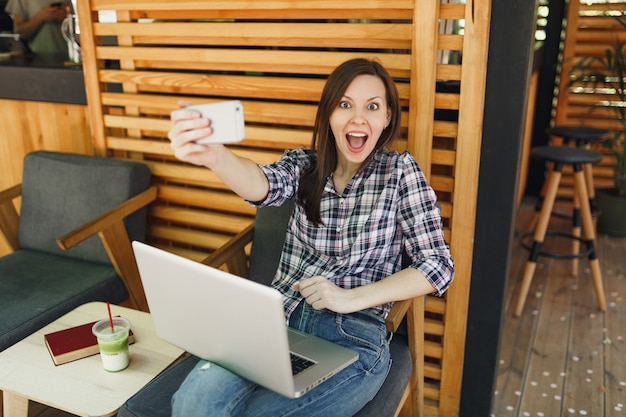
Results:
<point x="253" y="60"/>
<point x="240" y="87"/>
<point x="450" y="42"/>
<point x="448" y="72"/>
<point x="434" y="327"/>
<point x="589" y="7"/>
<point x="605" y="36"/>
<point x="271" y="137"/>
<point x="600" y="21"/>
<point x="447" y="101"/>
<point x="261" y="137"/>
<point x="443" y="157"/>
<point x="446" y="213"/>
<point x="445" y="129"/>
<point x="185" y="174"/>
<point x="274" y="34"/>
<point x="435" y="305"/>
<point x="188" y="237"/>
<point x="433" y="349"/>
<point x="294" y="5"/>
<point x="432" y="392"/>
<point x="277" y="138"/>
<point x="296" y="114"/>
<point x="452" y="11"/>
<point x="220" y="222"/>
<point x="208" y="199"/>
<point x="592" y="49"/>
<point x="441" y="183"/>
<point x="152" y="147"/>
<point x="585" y="96"/>
<point x="273" y="14"/>
<point x="137" y="122"/>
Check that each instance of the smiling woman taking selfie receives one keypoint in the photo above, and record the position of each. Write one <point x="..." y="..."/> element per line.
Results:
<point x="358" y="206"/>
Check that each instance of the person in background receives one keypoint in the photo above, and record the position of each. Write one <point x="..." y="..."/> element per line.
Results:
<point x="357" y="206"/>
<point x="6" y="24"/>
<point x="38" y="22"/>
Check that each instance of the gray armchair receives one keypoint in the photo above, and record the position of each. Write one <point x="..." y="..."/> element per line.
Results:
<point x="401" y="394"/>
<point x="71" y="238"/>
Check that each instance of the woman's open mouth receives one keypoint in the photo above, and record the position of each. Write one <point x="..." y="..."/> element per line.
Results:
<point x="356" y="141"/>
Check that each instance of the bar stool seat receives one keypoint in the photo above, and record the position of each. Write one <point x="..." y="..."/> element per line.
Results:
<point x="577" y="158"/>
<point x="582" y="135"/>
<point x="563" y="155"/>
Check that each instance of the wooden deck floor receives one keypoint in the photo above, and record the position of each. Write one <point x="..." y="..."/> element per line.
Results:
<point x="563" y="357"/>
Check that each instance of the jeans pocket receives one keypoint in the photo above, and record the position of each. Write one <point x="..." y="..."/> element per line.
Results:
<point x="366" y="337"/>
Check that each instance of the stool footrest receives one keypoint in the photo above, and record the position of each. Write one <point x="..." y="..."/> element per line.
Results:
<point x="528" y="244"/>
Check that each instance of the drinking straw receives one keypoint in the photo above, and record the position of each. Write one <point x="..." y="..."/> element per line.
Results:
<point x="110" y="317"/>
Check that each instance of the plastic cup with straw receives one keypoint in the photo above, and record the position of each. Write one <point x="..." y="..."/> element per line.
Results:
<point x="112" y="334"/>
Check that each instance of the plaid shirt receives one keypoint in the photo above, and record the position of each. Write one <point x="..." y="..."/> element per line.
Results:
<point x="386" y="206"/>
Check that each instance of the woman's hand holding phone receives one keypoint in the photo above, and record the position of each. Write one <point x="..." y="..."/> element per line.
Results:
<point x="227" y="121"/>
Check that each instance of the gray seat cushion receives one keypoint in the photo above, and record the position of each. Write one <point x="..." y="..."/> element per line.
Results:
<point x="40" y="282"/>
<point x="38" y="288"/>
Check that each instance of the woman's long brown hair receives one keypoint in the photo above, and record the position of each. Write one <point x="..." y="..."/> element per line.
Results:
<point x="324" y="157"/>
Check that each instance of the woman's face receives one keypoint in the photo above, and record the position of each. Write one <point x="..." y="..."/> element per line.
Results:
<point x="359" y="120"/>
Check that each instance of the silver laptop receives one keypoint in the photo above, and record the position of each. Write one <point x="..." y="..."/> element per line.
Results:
<point x="235" y="323"/>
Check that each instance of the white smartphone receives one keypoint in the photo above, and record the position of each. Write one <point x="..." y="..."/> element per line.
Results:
<point x="227" y="121"/>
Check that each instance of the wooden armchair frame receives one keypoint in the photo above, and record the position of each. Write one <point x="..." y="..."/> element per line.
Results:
<point x="109" y="226"/>
<point x="233" y="255"/>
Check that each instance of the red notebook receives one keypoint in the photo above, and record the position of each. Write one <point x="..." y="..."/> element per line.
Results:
<point x="74" y="343"/>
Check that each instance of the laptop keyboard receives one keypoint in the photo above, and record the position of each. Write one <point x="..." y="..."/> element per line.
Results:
<point x="299" y="364"/>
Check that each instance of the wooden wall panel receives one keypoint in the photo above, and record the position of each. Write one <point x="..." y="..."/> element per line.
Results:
<point x="275" y="56"/>
<point x="31" y="125"/>
<point x="590" y="30"/>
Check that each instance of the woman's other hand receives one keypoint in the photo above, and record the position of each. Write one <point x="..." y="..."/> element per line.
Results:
<point x="321" y="294"/>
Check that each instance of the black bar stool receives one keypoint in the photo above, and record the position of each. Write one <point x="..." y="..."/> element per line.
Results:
<point x="583" y="137"/>
<point x="577" y="158"/>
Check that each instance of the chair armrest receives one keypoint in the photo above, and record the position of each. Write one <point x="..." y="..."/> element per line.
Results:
<point x="110" y="227"/>
<point x="108" y="219"/>
<point x="232" y="253"/>
<point x="10" y="193"/>
<point x="9" y="219"/>
<point x="396" y="315"/>
<point x="414" y="311"/>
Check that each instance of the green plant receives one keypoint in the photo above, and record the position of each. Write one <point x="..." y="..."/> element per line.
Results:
<point x="607" y="74"/>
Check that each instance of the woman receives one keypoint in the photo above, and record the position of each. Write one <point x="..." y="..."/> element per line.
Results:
<point x="357" y="206"/>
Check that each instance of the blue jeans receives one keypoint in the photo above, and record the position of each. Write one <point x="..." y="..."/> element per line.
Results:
<point x="211" y="391"/>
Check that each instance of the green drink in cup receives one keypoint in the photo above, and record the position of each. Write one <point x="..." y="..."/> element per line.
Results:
<point x="112" y="335"/>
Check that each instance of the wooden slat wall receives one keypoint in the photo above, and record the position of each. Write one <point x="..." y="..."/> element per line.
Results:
<point x="275" y="56"/>
<point x="590" y="31"/>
